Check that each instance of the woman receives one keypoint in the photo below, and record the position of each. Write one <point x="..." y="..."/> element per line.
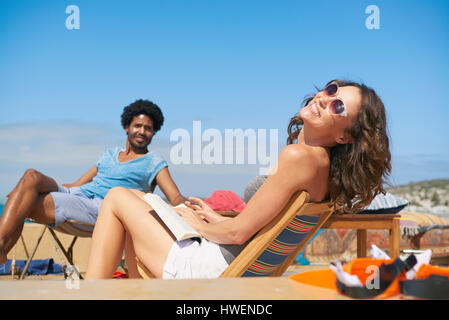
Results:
<point x="338" y="149"/>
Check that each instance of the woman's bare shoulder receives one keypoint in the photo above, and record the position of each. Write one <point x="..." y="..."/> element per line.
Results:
<point x="297" y="153"/>
<point x="302" y="162"/>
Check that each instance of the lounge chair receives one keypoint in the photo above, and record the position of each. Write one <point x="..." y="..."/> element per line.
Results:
<point x="71" y="227"/>
<point x="276" y="245"/>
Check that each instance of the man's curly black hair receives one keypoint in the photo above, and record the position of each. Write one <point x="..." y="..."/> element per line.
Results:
<point x="146" y="107"/>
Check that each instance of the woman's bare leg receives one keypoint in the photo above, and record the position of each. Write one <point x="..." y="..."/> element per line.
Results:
<point x="130" y="254"/>
<point x="122" y="211"/>
<point x="130" y="257"/>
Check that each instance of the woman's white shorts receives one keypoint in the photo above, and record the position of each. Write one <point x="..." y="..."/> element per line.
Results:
<point x="191" y="259"/>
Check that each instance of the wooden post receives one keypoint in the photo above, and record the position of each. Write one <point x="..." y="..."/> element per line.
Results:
<point x="361" y="243"/>
<point x="395" y="238"/>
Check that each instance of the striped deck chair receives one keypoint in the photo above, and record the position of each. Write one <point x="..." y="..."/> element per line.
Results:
<point x="71" y="227"/>
<point x="276" y="245"/>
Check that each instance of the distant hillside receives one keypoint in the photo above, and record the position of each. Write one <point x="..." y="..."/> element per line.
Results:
<point x="430" y="196"/>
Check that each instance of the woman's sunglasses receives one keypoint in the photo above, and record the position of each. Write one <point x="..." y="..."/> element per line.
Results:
<point x="337" y="106"/>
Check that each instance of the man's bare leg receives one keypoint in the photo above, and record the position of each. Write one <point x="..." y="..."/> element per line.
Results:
<point x="30" y="198"/>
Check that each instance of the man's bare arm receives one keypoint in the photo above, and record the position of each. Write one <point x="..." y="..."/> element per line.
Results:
<point x="85" y="178"/>
<point x="169" y="188"/>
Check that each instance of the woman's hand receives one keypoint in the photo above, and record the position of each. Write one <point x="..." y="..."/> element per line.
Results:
<point x="191" y="217"/>
<point x="204" y="211"/>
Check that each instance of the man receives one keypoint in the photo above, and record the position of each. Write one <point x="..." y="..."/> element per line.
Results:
<point x="39" y="197"/>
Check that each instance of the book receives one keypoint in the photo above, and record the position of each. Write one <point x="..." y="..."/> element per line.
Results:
<point x="177" y="225"/>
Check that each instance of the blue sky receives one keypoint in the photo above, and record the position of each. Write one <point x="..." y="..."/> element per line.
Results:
<point x="230" y="64"/>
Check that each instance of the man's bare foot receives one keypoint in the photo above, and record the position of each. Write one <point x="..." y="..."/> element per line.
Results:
<point x="3" y="257"/>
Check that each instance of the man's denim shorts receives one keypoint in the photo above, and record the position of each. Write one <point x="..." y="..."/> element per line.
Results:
<point x="73" y="204"/>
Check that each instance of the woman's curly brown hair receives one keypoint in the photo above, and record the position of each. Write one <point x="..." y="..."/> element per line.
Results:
<point x="358" y="169"/>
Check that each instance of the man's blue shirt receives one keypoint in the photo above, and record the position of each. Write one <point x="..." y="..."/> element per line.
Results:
<point x="134" y="174"/>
